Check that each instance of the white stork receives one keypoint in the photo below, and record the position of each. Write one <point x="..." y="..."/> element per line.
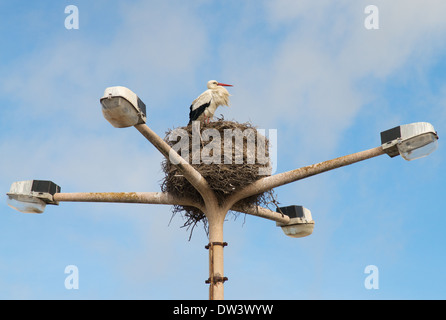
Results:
<point x="203" y="108"/>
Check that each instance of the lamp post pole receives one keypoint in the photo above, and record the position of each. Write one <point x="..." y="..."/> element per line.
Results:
<point x="216" y="245"/>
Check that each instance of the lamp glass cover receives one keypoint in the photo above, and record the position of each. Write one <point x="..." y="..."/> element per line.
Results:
<point x="119" y="112"/>
<point x="26" y="204"/>
<point x="298" y="230"/>
<point x="418" y="146"/>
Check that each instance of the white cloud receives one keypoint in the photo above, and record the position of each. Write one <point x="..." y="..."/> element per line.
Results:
<point x="84" y="163"/>
<point x="311" y="83"/>
<point x="155" y="52"/>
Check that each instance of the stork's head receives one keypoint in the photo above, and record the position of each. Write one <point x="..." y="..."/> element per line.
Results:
<point x="212" y="84"/>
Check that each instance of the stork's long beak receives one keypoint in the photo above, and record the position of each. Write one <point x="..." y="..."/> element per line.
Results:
<point x="224" y="85"/>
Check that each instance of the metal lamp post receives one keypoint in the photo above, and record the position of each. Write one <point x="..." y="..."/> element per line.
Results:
<point x="122" y="108"/>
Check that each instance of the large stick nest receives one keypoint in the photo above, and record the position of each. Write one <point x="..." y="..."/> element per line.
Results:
<point x="229" y="155"/>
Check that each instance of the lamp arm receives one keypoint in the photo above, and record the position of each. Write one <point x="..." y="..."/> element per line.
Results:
<point x="268" y="183"/>
<point x="126" y="197"/>
<point x="262" y="213"/>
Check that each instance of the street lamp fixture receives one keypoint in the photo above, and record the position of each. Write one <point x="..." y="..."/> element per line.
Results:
<point x="411" y="141"/>
<point x="301" y="223"/>
<point x="122" y="107"/>
<point x="32" y="196"/>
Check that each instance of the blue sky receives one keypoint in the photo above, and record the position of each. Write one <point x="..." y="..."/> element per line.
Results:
<point x="309" y="69"/>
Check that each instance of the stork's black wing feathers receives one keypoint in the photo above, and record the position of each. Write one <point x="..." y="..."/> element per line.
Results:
<point x="194" y="114"/>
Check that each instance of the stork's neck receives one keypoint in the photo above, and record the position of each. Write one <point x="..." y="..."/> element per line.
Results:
<point x="221" y="90"/>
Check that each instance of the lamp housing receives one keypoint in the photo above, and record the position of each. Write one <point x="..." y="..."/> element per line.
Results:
<point x="301" y="223"/>
<point x="32" y="196"/>
<point x="122" y="107"/>
<point x="411" y="141"/>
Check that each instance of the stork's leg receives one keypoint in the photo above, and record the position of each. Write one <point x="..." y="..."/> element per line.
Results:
<point x="199" y="133"/>
<point x="201" y="140"/>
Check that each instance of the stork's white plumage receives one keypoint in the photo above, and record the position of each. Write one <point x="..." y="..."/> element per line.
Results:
<point x="203" y="108"/>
